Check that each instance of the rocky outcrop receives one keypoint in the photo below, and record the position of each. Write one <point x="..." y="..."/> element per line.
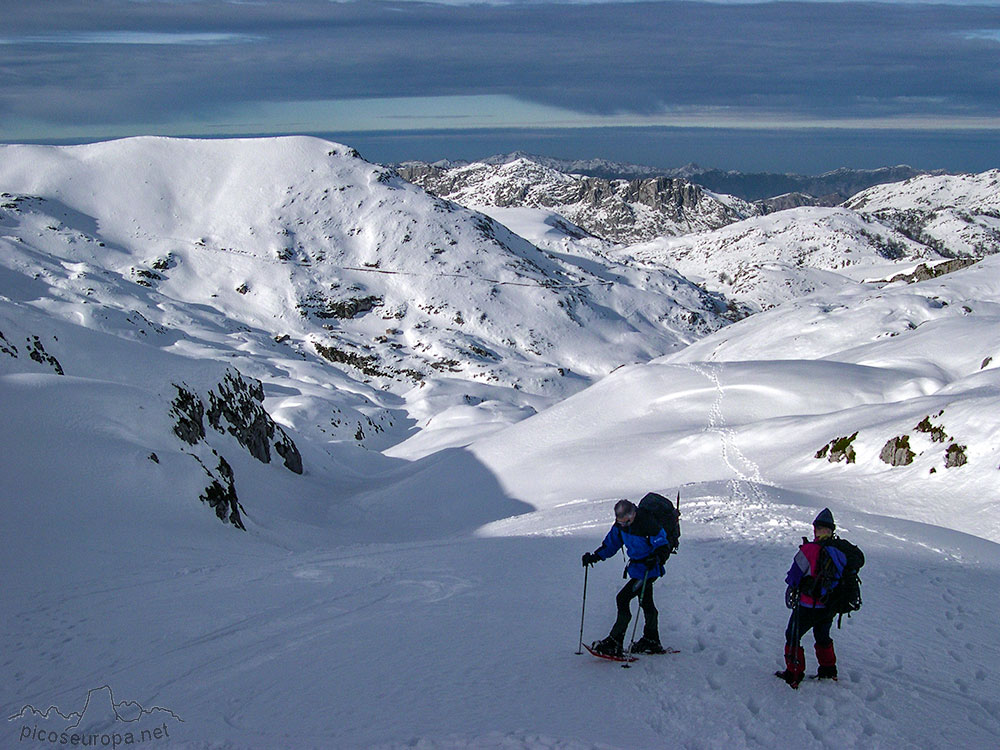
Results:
<point x="34" y="349"/>
<point x="625" y="211"/>
<point x="220" y="494"/>
<point x="188" y="413"/>
<point x="234" y="406"/>
<point x="6" y="347"/>
<point x="926" y="271"/>
<point x="346" y="308"/>
<point x="935" y="432"/>
<point x="37" y="352"/>
<point x="839" y="449"/>
<point x="896" y="451"/>
<point x="954" y="455"/>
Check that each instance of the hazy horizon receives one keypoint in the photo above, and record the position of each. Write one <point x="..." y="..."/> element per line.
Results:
<point x="782" y="86"/>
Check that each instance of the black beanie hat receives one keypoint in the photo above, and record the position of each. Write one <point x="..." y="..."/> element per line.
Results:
<point x="825" y="518"/>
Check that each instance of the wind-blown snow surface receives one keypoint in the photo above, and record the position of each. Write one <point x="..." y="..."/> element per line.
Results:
<point x="430" y="596"/>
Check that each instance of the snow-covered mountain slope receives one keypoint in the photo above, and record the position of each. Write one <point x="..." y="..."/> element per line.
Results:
<point x="350" y="623"/>
<point x="955" y="214"/>
<point x="724" y="242"/>
<point x="621" y="211"/>
<point x="768" y="260"/>
<point x="380" y="602"/>
<point x="883" y="400"/>
<point x="330" y="303"/>
<point x="305" y="243"/>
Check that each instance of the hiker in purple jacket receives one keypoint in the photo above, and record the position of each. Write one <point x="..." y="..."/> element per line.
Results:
<point x="809" y="580"/>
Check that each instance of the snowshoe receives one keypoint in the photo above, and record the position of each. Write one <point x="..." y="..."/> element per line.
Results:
<point x="647" y="646"/>
<point x="608" y="647"/>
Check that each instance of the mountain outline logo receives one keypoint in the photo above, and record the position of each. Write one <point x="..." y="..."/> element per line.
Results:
<point x="128" y="706"/>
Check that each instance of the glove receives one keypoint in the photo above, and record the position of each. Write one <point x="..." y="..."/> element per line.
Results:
<point x="589" y="558"/>
<point x="791" y="597"/>
<point x="650" y="562"/>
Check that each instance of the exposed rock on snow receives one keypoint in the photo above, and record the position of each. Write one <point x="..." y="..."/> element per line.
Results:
<point x="926" y="271"/>
<point x="36" y="351"/>
<point x="221" y="493"/>
<point x="768" y="260"/>
<point x="955" y="456"/>
<point x="234" y="406"/>
<point x="896" y="451"/>
<point x="839" y="449"/>
<point x="622" y="211"/>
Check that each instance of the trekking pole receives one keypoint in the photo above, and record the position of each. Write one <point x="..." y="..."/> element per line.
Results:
<point x="586" y="569"/>
<point x="796" y="635"/>
<point x="635" y="625"/>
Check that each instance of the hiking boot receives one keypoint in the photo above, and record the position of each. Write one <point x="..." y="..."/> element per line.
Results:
<point x="609" y="647"/>
<point x="792" y="678"/>
<point x="795" y="666"/>
<point x="647" y="646"/>
<point x="827" y="659"/>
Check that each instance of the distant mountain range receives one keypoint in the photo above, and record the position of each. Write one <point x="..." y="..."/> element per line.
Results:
<point x="759" y="253"/>
<point x="617" y="210"/>
<point x="827" y="189"/>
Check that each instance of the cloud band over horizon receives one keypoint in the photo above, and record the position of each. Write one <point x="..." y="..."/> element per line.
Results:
<point x="117" y="68"/>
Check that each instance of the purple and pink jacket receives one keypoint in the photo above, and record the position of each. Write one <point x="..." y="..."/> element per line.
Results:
<point x="806" y="566"/>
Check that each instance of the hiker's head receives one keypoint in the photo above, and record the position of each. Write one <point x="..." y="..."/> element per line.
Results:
<point x="624" y="512"/>
<point x="823" y="525"/>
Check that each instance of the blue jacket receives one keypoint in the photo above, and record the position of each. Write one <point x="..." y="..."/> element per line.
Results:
<point x="641" y="539"/>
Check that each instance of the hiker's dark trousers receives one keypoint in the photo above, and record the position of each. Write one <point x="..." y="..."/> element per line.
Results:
<point x="817" y="618"/>
<point x="630" y="591"/>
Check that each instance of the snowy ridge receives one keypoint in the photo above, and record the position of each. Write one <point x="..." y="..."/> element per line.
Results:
<point x="768" y="260"/>
<point x="956" y="214"/>
<point x="306" y="251"/>
<point x="347" y="251"/>
<point x="618" y="211"/>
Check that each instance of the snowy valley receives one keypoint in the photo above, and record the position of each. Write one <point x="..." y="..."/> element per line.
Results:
<point x="303" y="455"/>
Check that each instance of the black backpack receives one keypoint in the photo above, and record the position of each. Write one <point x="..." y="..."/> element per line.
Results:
<point x="666" y="514"/>
<point x="845" y="597"/>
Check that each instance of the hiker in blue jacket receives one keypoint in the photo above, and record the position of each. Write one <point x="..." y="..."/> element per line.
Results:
<point x="648" y="547"/>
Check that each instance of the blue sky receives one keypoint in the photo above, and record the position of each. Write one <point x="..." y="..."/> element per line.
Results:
<point x="787" y="86"/>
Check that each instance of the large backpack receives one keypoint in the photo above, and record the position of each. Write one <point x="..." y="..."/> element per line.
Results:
<point x="845" y="595"/>
<point x="666" y="514"/>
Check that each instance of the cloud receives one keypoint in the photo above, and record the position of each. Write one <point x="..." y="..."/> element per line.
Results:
<point x="202" y="64"/>
<point x="128" y="37"/>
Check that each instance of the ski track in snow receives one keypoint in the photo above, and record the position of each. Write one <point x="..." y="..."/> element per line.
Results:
<point x="746" y="489"/>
